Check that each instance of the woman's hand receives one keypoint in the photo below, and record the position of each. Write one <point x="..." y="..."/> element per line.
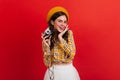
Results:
<point x="62" y="33"/>
<point x="46" y="43"/>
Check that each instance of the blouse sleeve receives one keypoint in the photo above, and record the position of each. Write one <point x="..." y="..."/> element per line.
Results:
<point x="68" y="47"/>
<point x="46" y="58"/>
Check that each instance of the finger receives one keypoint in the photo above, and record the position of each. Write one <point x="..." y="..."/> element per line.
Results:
<point x="67" y="25"/>
<point x="45" y="43"/>
<point x="44" y="38"/>
<point x="47" y="36"/>
<point x="50" y="37"/>
<point x="47" y="40"/>
<point x="65" y="29"/>
<point x="42" y="35"/>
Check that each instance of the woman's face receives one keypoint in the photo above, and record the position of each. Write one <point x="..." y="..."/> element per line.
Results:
<point x="60" y="23"/>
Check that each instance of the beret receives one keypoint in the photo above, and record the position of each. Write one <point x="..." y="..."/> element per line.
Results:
<point x="56" y="9"/>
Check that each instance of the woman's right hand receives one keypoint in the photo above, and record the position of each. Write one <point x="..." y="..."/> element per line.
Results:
<point x="46" y="43"/>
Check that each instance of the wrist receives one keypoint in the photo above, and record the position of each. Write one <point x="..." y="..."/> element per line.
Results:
<point x="47" y="53"/>
<point x="60" y="38"/>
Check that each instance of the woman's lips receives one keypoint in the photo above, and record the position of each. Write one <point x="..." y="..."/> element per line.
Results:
<point x="62" y="28"/>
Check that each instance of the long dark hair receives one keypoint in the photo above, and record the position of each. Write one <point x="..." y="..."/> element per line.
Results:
<point x="53" y="18"/>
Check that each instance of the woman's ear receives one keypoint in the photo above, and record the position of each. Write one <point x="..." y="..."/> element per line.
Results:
<point x="52" y="22"/>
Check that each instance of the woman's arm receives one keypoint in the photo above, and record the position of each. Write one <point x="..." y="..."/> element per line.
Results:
<point x="46" y="51"/>
<point x="68" y="47"/>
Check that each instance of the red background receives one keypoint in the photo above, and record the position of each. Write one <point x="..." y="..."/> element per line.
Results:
<point x="96" y="27"/>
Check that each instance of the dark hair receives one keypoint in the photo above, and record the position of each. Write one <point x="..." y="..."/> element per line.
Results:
<point x="53" y="18"/>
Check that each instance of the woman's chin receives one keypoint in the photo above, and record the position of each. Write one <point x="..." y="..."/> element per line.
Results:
<point x="60" y="31"/>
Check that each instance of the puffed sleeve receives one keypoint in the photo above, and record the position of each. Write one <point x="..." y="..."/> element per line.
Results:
<point x="68" y="47"/>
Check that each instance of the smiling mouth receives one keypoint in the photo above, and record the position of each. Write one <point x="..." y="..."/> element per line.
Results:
<point x="62" y="28"/>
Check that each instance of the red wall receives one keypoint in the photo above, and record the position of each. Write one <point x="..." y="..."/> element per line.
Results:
<point x="96" y="27"/>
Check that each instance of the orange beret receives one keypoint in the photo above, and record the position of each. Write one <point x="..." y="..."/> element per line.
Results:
<point x="54" y="10"/>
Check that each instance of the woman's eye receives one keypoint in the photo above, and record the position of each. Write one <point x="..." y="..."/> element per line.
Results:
<point x="60" y="21"/>
<point x="65" y="22"/>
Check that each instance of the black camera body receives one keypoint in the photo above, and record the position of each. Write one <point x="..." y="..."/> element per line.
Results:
<point x="47" y="32"/>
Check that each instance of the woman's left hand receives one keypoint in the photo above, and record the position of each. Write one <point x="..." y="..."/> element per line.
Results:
<point x="63" y="32"/>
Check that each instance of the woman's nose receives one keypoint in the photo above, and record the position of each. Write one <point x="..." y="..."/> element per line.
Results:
<point x="63" y="24"/>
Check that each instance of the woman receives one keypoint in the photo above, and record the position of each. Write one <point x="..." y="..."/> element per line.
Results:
<point x="58" y="47"/>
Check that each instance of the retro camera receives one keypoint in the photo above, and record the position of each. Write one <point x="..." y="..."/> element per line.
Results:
<point x="47" y="32"/>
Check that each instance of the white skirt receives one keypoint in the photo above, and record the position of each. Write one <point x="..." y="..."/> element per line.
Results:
<point x="62" y="72"/>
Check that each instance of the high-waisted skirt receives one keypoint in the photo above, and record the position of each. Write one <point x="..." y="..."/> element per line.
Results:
<point x="62" y="72"/>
